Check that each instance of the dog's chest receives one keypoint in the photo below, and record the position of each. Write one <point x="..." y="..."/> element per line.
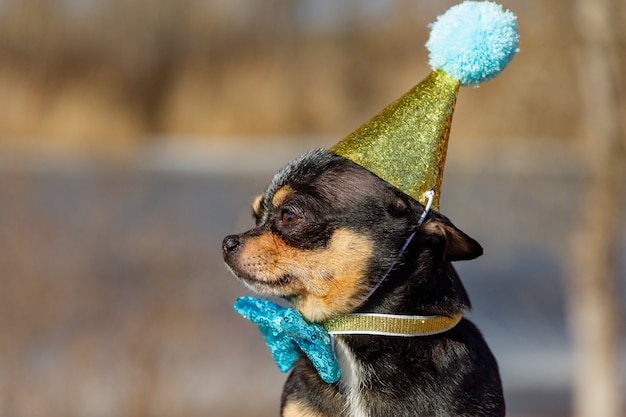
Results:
<point x="354" y="380"/>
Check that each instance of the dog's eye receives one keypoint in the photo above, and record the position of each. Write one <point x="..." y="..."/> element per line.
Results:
<point x="289" y="218"/>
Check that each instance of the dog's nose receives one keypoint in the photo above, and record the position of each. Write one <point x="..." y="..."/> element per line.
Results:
<point x="231" y="244"/>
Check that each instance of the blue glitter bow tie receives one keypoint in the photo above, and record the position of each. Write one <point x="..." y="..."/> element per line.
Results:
<point x="287" y="334"/>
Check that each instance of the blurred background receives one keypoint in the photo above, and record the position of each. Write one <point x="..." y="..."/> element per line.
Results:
<point x="135" y="133"/>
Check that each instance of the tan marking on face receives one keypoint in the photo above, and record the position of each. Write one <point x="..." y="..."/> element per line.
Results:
<point x="256" y="204"/>
<point x="296" y="409"/>
<point x="280" y="195"/>
<point x="323" y="282"/>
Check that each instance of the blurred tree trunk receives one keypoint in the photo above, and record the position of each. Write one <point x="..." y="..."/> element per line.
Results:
<point x="594" y="311"/>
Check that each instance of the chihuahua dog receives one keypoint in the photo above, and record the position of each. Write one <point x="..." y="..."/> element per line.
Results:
<point x="327" y="231"/>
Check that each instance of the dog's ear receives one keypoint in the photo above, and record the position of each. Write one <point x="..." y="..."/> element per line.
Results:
<point x="457" y="245"/>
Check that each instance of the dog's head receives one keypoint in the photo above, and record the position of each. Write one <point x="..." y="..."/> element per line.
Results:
<point x="326" y="232"/>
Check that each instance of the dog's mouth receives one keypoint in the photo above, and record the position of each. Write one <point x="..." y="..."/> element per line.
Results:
<point x="279" y="282"/>
<point x="274" y="286"/>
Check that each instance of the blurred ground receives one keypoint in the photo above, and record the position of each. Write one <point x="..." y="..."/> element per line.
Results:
<point x="134" y="134"/>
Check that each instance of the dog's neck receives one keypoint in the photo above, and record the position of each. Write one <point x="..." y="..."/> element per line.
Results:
<point x="397" y="306"/>
<point x="421" y="284"/>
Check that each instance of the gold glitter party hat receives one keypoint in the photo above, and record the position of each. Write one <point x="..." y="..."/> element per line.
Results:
<point x="406" y="143"/>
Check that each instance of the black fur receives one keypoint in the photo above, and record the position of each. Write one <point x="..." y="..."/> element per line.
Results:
<point x="450" y="374"/>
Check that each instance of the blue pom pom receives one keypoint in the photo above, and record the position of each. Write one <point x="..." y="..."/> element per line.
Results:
<point x="473" y="41"/>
